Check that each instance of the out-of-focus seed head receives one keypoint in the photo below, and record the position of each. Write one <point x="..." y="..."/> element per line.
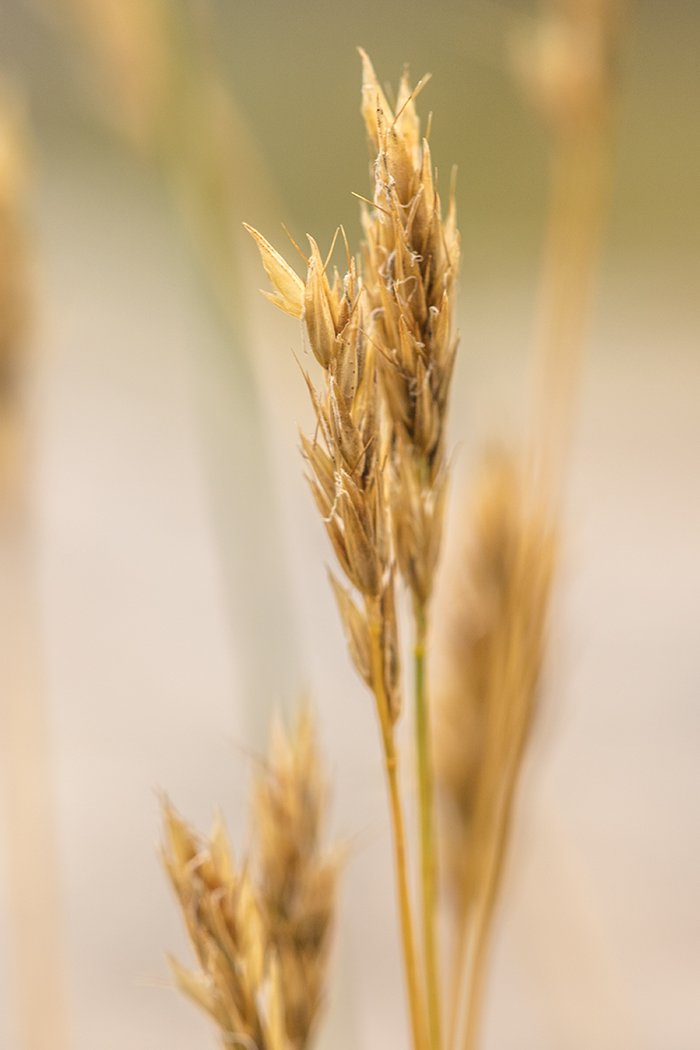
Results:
<point x="297" y="877"/>
<point x="225" y="926"/>
<point x="489" y="662"/>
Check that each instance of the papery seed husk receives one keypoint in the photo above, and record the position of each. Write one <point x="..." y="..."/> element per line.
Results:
<point x="345" y="363"/>
<point x="372" y="98"/>
<point x="346" y="436"/>
<point x="197" y="988"/>
<point x="321" y="464"/>
<point x="289" y="286"/>
<point x="325" y="285"/>
<point x="362" y="556"/>
<point x="335" y="535"/>
<point x="356" y="630"/>
<point x="407" y="122"/>
<point x="317" y="316"/>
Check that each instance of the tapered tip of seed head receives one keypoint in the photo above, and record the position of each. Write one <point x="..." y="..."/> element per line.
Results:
<point x="289" y="287"/>
<point x="374" y="100"/>
<point x="181" y="842"/>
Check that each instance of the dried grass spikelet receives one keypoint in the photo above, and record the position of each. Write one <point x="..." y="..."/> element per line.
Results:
<point x="297" y="879"/>
<point x="261" y="930"/>
<point x="410" y="265"/>
<point x="346" y="455"/>
<point x="238" y="983"/>
<point x="489" y="676"/>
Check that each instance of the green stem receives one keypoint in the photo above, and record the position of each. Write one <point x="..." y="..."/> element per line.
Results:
<point x="427" y="837"/>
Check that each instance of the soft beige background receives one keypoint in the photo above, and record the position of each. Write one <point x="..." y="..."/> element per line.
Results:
<point x="180" y="596"/>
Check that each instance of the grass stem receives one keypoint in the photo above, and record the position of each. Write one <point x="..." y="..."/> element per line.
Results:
<point x="415" y="1000"/>
<point x="427" y="836"/>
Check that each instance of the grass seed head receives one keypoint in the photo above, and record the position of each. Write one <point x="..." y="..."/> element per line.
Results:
<point x="490" y="663"/>
<point x="226" y="928"/>
<point x="296" y="876"/>
<point x="384" y="340"/>
<point x="411" y="259"/>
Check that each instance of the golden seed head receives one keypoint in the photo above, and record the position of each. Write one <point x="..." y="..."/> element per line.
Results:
<point x="384" y="340"/>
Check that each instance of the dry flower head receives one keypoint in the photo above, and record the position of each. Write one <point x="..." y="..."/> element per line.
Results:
<point x="260" y="930"/>
<point x="296" y="877"/>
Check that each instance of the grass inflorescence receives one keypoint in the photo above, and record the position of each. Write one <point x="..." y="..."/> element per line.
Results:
<point x="384" y="343"/>
<point x="261" y="928"/>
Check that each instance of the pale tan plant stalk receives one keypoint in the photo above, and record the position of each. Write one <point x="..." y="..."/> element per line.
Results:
<point x="569" y="66"/>
<point x="26" y="798"/>
<point x="261" y="931"/>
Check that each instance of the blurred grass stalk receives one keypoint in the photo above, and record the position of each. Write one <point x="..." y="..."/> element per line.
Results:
<point x="154" y="64"/>
<point x="29" y="837"/>
<point x="568" y="66"/>
<point x="568" y="62"/>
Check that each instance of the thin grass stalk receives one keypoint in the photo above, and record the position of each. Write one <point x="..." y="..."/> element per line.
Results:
<point x="398" y="825"/>
<point x="579" y="194"/>
<point x="486" y="904"/>
<point x="570" y="69"/>
<point x="456" y="967"/>
<point x="428" y="856"/>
